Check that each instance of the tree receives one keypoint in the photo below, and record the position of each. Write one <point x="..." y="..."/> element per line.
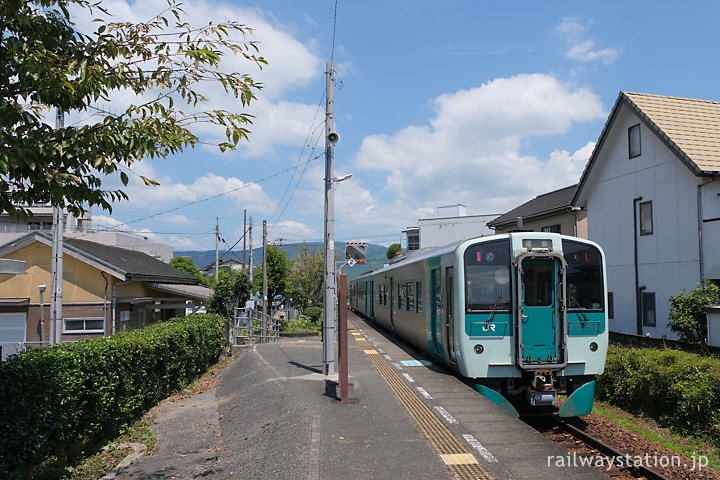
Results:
<point x="687" y="312"/>
<point x="393" y="251"/>
<point x="306" y="278"/>
<point x="188" y="266"/>
<point x="233" y="288"/>
<point x="48" y="64"/>
<point x="278" y="267"/>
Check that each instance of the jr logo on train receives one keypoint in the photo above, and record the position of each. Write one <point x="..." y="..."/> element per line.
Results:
<point x="519" y="315"/>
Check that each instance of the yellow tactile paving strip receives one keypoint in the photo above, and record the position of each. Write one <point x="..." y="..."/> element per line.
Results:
<point x="303" y="345"/>
<point x="461" y="464"/>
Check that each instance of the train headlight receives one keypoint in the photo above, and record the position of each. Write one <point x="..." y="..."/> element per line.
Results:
<point x="593" y="347"/>
<point x="479" y="349"/>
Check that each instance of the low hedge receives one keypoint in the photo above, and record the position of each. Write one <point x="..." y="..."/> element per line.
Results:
<point x="680" y="390"/>
<point x="57" y="399"/>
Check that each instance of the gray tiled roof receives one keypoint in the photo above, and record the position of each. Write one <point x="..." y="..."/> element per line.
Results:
<point x="135" y="265"/>
<point x="544" y="204"/>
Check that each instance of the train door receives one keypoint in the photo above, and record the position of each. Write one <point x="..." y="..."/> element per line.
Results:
<point x="436" y="310"/>
<point x="449" y="316"/>
<point x="541" y="319"/>
<point x="372" y="299"/>
<point x="392" y="303"/>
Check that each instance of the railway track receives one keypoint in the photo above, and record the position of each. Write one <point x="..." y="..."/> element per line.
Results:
<point x="586" y="449"/>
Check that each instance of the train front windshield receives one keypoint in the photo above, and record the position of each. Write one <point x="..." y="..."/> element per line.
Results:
<point x="584" y="276"/>
<point x="487" y="276"/>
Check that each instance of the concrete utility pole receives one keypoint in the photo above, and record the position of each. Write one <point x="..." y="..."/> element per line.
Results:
<point x="250" y="253"/>
<point x="330" y="295"/>
<point x="244" y="236"/>
<point x="266" y="310"/>
<point x="56" y="267"/>
<point x="217" y="240"/>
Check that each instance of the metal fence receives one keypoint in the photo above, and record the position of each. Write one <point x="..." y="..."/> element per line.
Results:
<point x="252" y="326"/>
<point x="10" y="348"/>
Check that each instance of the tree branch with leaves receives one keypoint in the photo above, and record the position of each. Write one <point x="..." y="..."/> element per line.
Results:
<point x="48" y="64"/>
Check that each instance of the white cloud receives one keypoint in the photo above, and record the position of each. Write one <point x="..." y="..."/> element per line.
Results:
<point x="292" y="63"/>
<point x="570" y="165"/>
<point x="471" y="151"/>
<point x="571" y="28"/>
<point x="105" y="222"/>
<point x="292" y="231"/>
<point x="180" y="243"/>
<point x="208" y="187"/>
<point x="177" y="219"/>
<point x="585" y="52"/>
<point x="580" y="48"/>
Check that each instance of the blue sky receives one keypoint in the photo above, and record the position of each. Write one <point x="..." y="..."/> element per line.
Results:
<point x="482" y="103"/>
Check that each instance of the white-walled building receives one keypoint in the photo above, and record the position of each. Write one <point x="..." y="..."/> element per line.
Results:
<point x="652" y="196"/>
<point x="79" y="227"/>
<point x="451" y="224"/>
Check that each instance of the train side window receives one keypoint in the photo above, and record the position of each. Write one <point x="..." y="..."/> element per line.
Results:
<point x="584" y="276"/>
<point x="410" y="291"/>
<point x="418" y="302"/>
<point x="438" y="295"/>
<point x="401" y="296"/>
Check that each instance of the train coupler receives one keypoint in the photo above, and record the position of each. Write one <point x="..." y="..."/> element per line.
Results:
<point x="542" y="391"/>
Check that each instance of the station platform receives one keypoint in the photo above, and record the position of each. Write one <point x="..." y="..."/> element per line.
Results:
<point x="272" y="414"/>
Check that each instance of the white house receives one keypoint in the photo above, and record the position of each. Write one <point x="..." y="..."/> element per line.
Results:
<point x="651" y="191"/>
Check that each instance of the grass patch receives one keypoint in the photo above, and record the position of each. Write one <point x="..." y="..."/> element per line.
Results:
<point x="652" y="431"/>
<point x="92" y="465"/>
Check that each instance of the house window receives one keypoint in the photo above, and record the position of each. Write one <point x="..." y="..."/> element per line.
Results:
<point x="413" y="240"/>
<point x="634" y="141"/>
<point x="83" y="325"/>
<point x="552" y="228"/>
<point x="646" y="221"/>
<point x="611" y="305"/>
<point x="648" y="309"/>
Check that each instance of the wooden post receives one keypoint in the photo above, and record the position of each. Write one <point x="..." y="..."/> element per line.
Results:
<point x="342" y="338"/>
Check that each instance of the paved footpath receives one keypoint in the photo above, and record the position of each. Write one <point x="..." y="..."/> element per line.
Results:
<point x="273" y="415"/>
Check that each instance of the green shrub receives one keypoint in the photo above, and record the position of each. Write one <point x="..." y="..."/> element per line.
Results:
<point x="680" y="390"/>
<point x="314" y="313"/>
<point x="300" y="325"/>
<point x="58" y="398"/>
<point x="687" y="312"/>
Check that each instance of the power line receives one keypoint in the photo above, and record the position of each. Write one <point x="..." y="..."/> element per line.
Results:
<point x="212" y="197"/>
<point x="297" y="165"/>
<point x="332" y="52"/>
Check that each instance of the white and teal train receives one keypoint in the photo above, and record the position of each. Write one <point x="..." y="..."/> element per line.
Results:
<point x="522" y="314"/>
